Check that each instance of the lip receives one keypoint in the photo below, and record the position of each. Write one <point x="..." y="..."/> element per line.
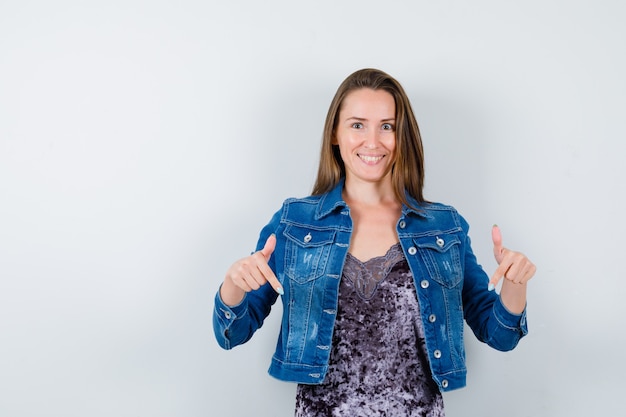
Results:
<point x="370" y="159"/>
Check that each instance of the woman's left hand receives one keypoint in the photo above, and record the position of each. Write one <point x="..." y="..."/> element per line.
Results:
<point x="513" y="266"/>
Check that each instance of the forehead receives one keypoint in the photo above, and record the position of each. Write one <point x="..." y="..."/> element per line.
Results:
<point x="368" y="103"/>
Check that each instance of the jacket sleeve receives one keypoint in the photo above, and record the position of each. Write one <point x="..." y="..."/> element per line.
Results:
<point x="484" y="312"/>
<point x="235" y="325"/>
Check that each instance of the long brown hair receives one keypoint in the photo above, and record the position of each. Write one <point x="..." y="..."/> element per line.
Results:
<point x="407" y="175"/>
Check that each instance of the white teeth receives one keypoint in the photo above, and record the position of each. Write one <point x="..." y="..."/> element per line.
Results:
<point x="370" y="158"/>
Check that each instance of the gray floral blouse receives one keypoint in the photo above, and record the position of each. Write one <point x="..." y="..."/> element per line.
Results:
<point x="378" y="363"/>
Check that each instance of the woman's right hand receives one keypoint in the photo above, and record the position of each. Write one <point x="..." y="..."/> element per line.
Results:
<point x="250" y="273"/>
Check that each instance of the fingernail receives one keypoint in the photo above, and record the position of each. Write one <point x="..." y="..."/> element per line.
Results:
<point x="280" y="291"/>
<point x="491" y="287"/>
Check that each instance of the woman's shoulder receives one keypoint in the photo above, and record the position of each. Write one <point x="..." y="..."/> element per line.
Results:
<point x="309" y="199"/>
<point x="312" y="207"/>
<point x="332" y="198"/>
<point x="435" y="205"/>
<point x="307" y="203"/>
<point x="442" y="214"/>
<point x="433" y="208"/>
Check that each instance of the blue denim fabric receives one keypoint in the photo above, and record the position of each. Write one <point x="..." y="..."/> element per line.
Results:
<point x="313" y="235"/>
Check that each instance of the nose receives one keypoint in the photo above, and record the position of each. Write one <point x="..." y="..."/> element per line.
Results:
<point x="372" y="139"/>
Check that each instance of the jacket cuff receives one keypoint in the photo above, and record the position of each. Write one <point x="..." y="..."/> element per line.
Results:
<point x="510" y="320"/>
<point x="223" y="318"/>
<point x="228" y="314"/>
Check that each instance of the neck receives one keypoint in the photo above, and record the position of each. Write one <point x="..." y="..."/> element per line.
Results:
<point x="370" y="193"/>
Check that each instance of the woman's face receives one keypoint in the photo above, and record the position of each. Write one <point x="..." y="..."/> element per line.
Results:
<point x="366" y="135"/>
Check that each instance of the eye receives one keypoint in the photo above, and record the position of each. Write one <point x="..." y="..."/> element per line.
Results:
<point x="387" y="126"/>
<point x="357" y="125"/>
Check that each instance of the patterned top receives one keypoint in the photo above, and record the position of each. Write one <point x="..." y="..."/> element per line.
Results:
<point x="378" y="362"/>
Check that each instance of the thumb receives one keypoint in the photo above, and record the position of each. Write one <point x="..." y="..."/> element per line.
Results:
<point x="498" y="253"/>
<point x="270" y="245"/>
<point x="498" y="250"/>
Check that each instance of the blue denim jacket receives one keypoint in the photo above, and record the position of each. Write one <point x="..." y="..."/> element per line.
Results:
<point x="313" y="235"/>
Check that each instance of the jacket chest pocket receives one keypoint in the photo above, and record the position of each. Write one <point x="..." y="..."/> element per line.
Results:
<point x="306" y="252"/>
<point x="442" y="256"/>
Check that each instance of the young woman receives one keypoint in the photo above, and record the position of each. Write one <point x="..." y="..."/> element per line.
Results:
<point x="375" y="280"/>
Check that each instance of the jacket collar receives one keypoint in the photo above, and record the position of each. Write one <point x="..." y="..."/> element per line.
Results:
<point x="333" y="200"/>
<point x="416" y="208"/>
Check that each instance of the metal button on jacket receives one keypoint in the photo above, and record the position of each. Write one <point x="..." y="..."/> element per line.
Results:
<point x="424" y="284"/>
<point x="402" y="224"/>
<point x="437" y="354"/>
<point x="440" y="242"/>
<point x="432" y="318"/>
<point x="412" y="250"/>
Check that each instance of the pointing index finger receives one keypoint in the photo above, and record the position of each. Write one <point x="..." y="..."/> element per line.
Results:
<point x="269" y="275"/>
<point x="497" y="275"/>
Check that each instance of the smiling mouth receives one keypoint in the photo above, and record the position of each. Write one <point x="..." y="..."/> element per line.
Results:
<point x="371" y="159"/>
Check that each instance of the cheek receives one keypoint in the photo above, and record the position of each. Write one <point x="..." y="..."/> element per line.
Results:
<point x="390" y="142"/>
<point x="392" y="146"/>
<point x="347" y="141"/>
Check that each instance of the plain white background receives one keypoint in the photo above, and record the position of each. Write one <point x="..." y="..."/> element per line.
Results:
<point x="143" y="144"/>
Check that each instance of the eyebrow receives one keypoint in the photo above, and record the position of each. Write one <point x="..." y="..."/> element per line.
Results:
<point x="361" y="119"/>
